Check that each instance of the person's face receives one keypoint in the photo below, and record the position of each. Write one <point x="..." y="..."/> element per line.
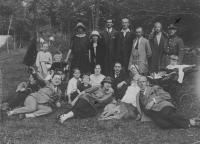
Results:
<point x="77" y="74"/>
<point x="80" y="30"/>
<point x="31" y="79"/>
<point x="117" y="67"/>
<point x="107" y="85"/>
<point x="97" y="69"/>
<point x="173" y="62"/>
<point x="134" y="70"/>
<point x="45" y="47"/>
<point x="142" y="83"/>
<point x="86" y="80"/>
<point x="109" y="23"/>
<point x="172" y="31"/>
<point x="57" y="59"/>
<point x="125" y="23"/>
<point x="157" y="28"/>
<point x="56" y="80"/>
<point x="139" y="32"/>
<point x="94" y="38"/>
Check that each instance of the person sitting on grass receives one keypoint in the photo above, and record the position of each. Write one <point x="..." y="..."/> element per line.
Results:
<point x="43" y="57"/>
<point x="154" y="103"/>
<point x="22" y="91"/>
<point x="72" y="92"/>
<point x="89" y="101"/>
<point x="81" y="86"/>
<point x="39" y="103"/>
<point x="97" y="77"/>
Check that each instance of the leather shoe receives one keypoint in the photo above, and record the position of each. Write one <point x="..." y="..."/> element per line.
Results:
<point x="21" y="116"/>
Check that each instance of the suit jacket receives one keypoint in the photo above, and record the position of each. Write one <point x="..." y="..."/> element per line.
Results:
<point x="111" y="47"/>
<point x="118" y="79"/>
<point x="125" y="46"/>
<point x="142" y="53"/>
<point x="100" y="52"/>
<point x="157" y="50"/>
<point x="161" y="97"/>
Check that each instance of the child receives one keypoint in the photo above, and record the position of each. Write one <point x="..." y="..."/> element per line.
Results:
<point x="174" y="68"/>
<point x="72" y="85"/>
<point x="58" y="66"/>
<point x="81" y="86"/>
<point x="43" y="57"/>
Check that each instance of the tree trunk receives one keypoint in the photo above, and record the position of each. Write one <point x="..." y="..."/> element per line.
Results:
<point x="11" y="17"/>
<point x="96" y="21"/>
<point x="14" y="40"/>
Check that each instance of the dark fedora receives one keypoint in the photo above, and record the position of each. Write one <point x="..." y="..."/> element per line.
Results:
<point x="107" y="79"/>
<point x="80" y="25"/>
<point x="172" y="27"/>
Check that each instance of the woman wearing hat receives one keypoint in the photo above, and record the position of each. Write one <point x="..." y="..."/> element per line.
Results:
<point x="96" y="50"/>
<point x="90" y="101"/>
<point x="79" y="49"/>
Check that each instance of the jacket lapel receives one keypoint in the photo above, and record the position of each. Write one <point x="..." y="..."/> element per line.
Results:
<point x="155" y="40"/>
<point x="140" y="45"/>
<point x="148" y="92"/>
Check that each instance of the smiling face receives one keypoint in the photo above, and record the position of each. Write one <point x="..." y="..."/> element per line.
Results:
<point x="134" y="70"/>
<point x="86" y="80"/>
<point x="97" y="69"/>
<point x="56" y="79"/>
<point x="45" y="47"/>
<point x="117" y="67"/>
<point x="125" y="23"/>
<point x="31" y="79"/>
<point x="173" y="62"/>
<point x="139" y="32"/>
<point x="107" y="86"/>
<point x="109" y="23"/>
<point x="76" y="74"/>
<point x="95" y="38"/>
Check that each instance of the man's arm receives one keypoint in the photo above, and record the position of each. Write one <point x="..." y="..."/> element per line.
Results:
<point x="148" y="49"/>
<point x="21" y="85"/>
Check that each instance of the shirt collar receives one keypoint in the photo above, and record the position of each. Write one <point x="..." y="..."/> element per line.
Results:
<point x="109" y="30"/>
<point x="159" y="34"/>
<point x="125" y="31"/>
<point x="81" y="35"/>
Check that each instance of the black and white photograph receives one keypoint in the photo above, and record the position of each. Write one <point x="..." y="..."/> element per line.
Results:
<point x="99" y="71"/>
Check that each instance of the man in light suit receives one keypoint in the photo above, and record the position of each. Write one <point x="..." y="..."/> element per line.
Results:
<point x="154" y="103"/>
<point x="140" y="51"/>
<point x="110" y="37"/>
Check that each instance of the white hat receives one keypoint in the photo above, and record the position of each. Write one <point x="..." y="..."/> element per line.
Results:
<point x="95" y="33"/>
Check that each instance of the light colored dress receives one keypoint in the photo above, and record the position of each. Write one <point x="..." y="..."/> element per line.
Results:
<point x="96" y="80"/>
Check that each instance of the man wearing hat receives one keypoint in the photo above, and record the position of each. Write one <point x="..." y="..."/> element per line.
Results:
<point x="173" y="45"/>
<point x="79" y="49"/>
<point x="110" y="37"/>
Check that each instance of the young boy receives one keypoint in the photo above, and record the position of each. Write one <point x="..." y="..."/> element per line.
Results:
<point x="58" y="66"/>
<point x="22" y="91"/>
<point x="43" y="57"/>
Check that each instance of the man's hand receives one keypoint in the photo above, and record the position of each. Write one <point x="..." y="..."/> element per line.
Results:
<point x="150" y="104"/>
<point x="32" y="70"/>
<point x="58" y="104"/>
<point x="22" y="89"/>
<point x="121" y="84"/>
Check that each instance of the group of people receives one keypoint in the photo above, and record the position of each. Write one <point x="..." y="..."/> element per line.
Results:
<point x="120" y="64"/>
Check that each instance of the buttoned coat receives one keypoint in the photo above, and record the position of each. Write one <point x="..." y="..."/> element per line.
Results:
<point x="142" y="53"/>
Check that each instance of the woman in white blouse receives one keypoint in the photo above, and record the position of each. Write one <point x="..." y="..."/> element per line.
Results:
<point x="97" y="77"/>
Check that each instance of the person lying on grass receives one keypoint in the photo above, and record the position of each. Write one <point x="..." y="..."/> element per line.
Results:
<point x="22" y="91"/>
<point x="40" y="103"/>
<point x="154" y="103"/>
<point x="89" y="101"/>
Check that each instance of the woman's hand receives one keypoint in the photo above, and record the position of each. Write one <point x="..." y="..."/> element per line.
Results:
<point x="121" y="84"/>
<point x="150" y="104"/>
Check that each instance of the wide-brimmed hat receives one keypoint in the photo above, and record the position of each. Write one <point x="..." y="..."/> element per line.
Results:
<point x="80" y="25"/>
<point x="107" y="79"/>
<point x="174" y="57"/>
<point x="172" y="27"/>
<point x="95" y="33"/>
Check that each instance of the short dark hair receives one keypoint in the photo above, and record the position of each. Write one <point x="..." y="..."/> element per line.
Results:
<point x="57" y="74"/>
<point x="118" y="63"/>
<point x="110" y="18"/>
<point x="97" y="65"/>
<point x="126" y="18"/>
<point x="75" y="69"/>
<point x="139" y="27"/>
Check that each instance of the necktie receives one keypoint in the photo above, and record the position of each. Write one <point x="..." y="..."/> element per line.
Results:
<point x="136" y="47"/>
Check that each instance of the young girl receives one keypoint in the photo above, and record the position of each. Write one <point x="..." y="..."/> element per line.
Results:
<point x="43" y="57"/>
<point x="72" y="85"/>
<point x="81" y="86"/>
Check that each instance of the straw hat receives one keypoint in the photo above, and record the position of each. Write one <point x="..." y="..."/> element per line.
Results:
<point x="80" y="25"/>
<point x="95" y="33"/>
<point x="107" y="79"/>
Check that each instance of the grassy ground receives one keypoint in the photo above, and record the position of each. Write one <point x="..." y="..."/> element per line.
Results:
<point x="45" y="130"/>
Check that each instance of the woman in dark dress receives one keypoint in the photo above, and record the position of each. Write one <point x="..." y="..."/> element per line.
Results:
<point x="79" y="49"/>
<point x="90" y="101"/>
<point x="97" y="51"/>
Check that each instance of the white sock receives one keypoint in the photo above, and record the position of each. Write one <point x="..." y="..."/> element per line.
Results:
<point x="30" y="115"/>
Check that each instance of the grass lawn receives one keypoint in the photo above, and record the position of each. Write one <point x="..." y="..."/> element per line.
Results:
<point x="45" y="130"/>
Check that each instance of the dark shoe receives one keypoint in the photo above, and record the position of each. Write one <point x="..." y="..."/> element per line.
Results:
<point x="22" y="116"/>
<point x="197" y="122"/>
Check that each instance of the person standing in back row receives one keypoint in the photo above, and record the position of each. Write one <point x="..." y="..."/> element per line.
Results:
<point x="110" y="37"/>
<point x="156" y="39"/>
<point x="125" y="45"/>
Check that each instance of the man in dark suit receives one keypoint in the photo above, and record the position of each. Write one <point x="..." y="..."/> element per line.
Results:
<point x="125" y="44"/>
<point x="118" y="75"/>
<point x="154" y="102"/>
<point x="156" y="39"/>
<point x="110" y="37"/>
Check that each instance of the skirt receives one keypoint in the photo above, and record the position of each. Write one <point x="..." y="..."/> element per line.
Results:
<point x="83" y="109"/>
